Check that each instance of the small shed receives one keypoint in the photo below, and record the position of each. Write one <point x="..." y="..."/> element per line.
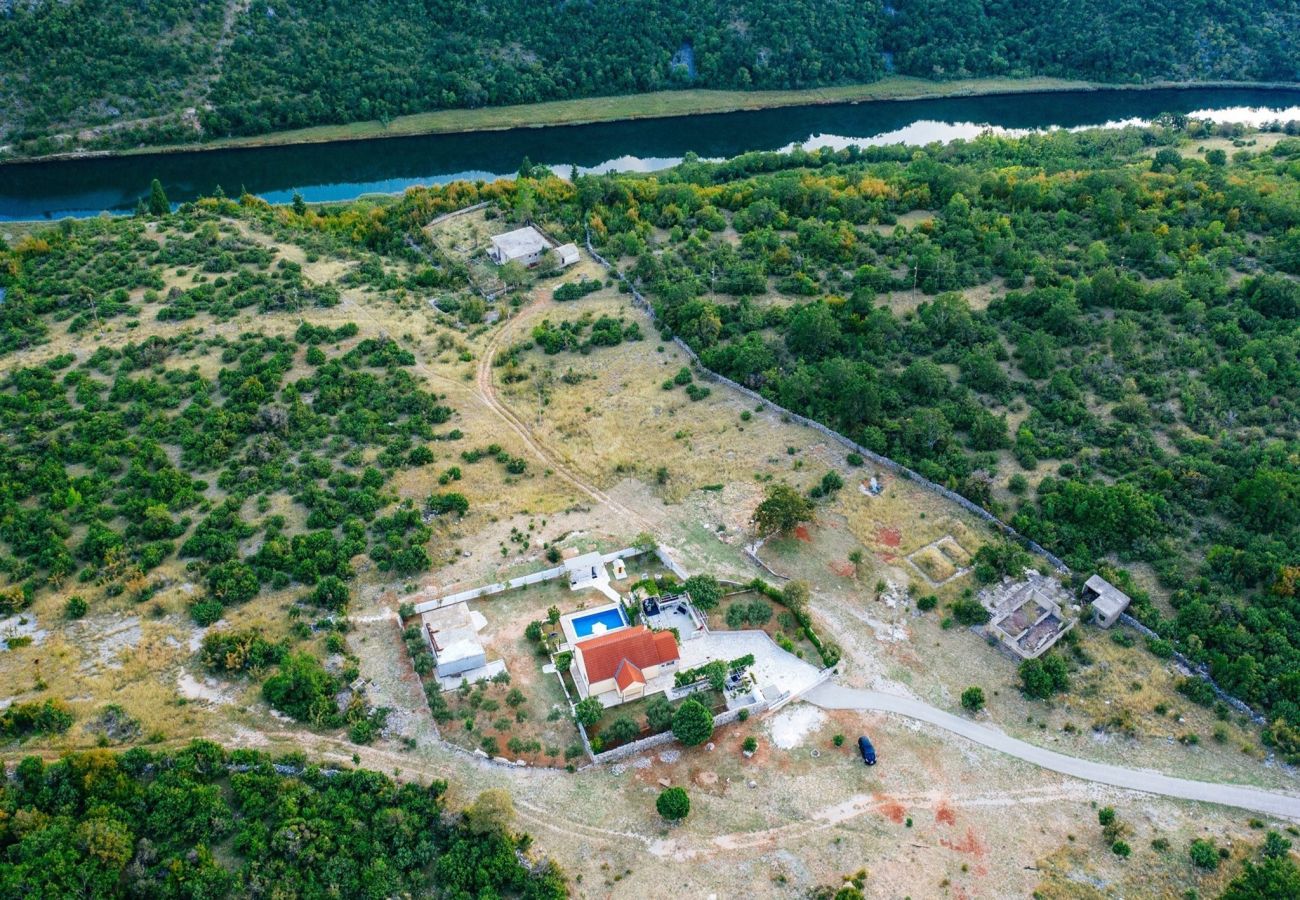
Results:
<point x="586" y="570"/>
<point x="567" y="254"/>
<point x="619" y="568"/>
<point x="1108" y="602"/>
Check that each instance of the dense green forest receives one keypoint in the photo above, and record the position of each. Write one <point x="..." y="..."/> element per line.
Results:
<point x="131" y="69"/>
<point x="205" y="823"/>
<point x="1096" y="336"/>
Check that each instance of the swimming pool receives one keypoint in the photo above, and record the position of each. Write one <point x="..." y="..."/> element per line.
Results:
<point x="598" y="622"/>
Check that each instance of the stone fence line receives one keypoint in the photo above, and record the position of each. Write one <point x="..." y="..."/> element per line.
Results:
<point x="1199" y="670"/>
<point x="904" y="472"/>
<point x="883" y="461"/>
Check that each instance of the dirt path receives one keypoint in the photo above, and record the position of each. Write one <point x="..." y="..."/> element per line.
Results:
<point x="487" y="391"/>
<point x="836" y="696"/>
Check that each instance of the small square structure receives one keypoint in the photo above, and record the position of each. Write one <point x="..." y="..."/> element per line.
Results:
<point x="523" y="245"/>
<point x="454" y="639"/>
<point x="566" y="254"/>
<point x="620" y="569"/>
<point x="586" y="571"/>
<point x="1108" y="602"/>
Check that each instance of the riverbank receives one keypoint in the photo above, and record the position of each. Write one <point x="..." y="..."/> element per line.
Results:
<point x="659" y="105"/>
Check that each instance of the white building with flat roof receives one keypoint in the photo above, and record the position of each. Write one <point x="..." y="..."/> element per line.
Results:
<point x="451" y="633"/>
<point x="1108" y="602"/>
<point x="523" y="245"/>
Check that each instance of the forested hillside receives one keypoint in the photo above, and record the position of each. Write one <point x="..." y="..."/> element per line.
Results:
<point x="129" y="71"/>
<point x="201" y="822"/>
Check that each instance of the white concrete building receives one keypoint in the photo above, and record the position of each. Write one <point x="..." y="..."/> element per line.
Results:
<point x="523" y="245"/>
<point x="1108" y="601"/>
<point x="451" y="633"/>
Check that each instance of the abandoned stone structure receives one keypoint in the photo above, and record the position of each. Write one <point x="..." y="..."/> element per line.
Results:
<point x="1028" y="616"/>
<point x="1108" y="602"/>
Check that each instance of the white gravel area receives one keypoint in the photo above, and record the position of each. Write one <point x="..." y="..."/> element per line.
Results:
<point x="794" y="723"/>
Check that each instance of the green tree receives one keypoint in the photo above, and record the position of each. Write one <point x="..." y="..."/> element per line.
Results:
<point x="658" y="714"/>
<point x="158" y="203"/>
<point x="620" y="731"/>
<point x="704" y="590"/>
<point x="588" y="711"/>
<point x="782" y="508"/>
<point x="302" y="689"/>
<point x="492" y="812"/>
<point x="673" y="804"/>
<point x="1042" y="677"/>
<point x="692" y="723"/>
<point x="972" y="699"/>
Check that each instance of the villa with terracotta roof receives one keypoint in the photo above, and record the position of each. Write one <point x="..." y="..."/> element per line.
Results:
<point x="625" y="665"/>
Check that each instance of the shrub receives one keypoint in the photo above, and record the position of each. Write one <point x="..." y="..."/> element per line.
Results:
<point x="972" y="699"/>
<point x="621" y="731"/>
<point x="692" y="723"/>
<point x="1204" y="854"/>
<point x="927" y="603"/>
<point x="673" y="804"/>
<point x="838" y="740"/>
<point x="76" y="607"/>
<point x="750" y="744"/>
<point x="1121" y="849"/>
<point x="22" y="720"/>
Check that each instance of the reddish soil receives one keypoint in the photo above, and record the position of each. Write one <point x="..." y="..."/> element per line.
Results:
<point x="891" y="808"/>
<point x="969" y="844"/>
<point x="943" y="813"/>
<point x="801" y="532"/>
<point x="844" y="568"/>
<point x="890" y="537"/>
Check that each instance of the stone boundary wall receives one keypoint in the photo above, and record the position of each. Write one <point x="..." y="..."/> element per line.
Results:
<point x="883" y="461"/>
<point x="488" y="590"/>
<point x="1197" y="669"/>
<point x="457" y="212"/>
<point x="902" y="471"/>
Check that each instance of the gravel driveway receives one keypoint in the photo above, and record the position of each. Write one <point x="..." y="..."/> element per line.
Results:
<point x="772" y="665"/>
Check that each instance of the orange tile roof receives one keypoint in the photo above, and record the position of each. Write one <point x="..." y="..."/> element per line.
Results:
<point x="627" y="675"/>
<point x="602" y="656"/>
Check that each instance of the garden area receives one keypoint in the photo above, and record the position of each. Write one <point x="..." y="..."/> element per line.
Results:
<point x="752" y="611"/>
<point x="521" y="713"/>
<point x="628" y="722"/>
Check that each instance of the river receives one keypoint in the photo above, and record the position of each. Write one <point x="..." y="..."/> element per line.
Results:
<point x="346" y="170"/>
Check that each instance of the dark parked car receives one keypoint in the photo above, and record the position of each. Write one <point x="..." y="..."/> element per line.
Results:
<point x="868" y="751"/>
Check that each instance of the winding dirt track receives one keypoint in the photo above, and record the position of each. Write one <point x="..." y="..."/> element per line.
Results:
<point x="486" y="389"/>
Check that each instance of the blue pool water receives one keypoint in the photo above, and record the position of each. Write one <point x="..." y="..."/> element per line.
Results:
<point x="610" y="618"/>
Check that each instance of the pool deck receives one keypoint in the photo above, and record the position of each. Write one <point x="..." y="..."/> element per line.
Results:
<point x="571" y="636"/>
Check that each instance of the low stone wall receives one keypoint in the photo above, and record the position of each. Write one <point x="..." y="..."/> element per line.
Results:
<point x="1197" y="670"/>
<point x="883" y="461"/>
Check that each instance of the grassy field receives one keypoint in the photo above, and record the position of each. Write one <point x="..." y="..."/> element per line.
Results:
<point x="659" y="104"/>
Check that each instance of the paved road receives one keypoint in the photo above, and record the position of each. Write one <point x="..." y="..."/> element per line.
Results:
<point x="836" y="696"/>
